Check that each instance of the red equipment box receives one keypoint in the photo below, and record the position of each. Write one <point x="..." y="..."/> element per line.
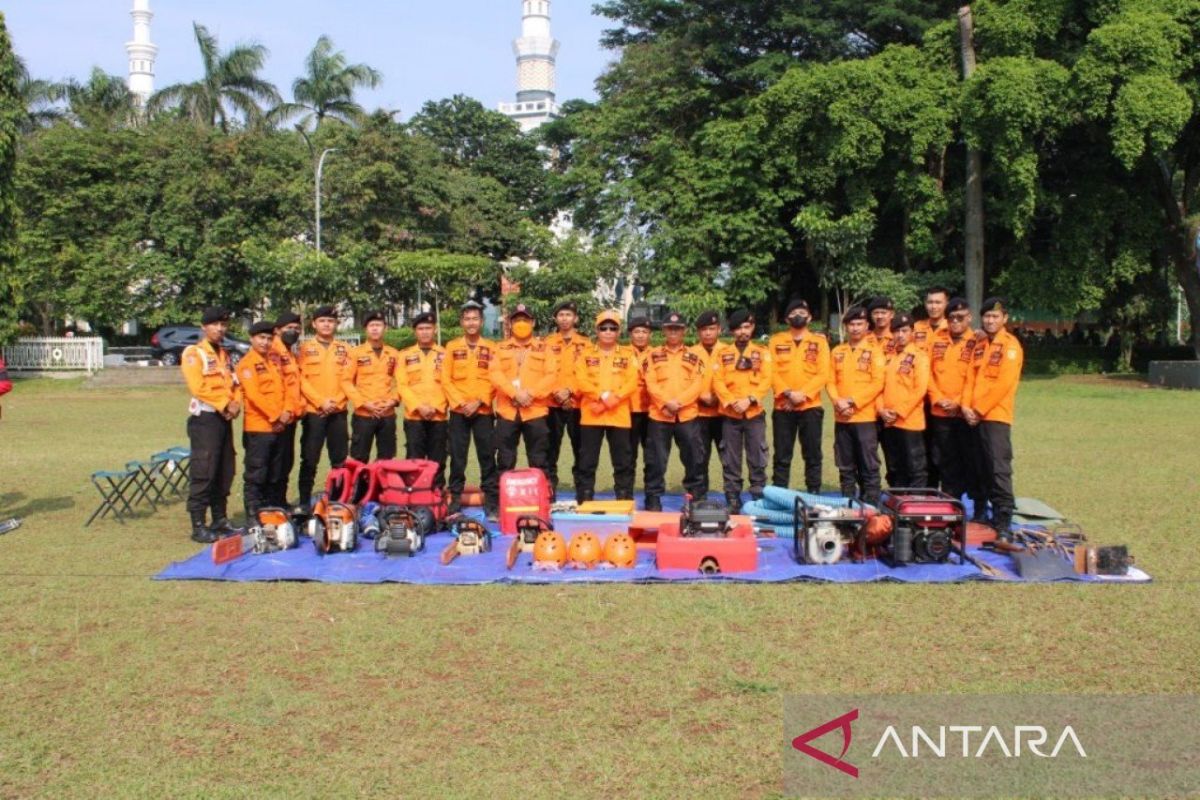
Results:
<point x="735" y="552"/>
<point x="523" y="493"/>
<point x="925" y="525"/>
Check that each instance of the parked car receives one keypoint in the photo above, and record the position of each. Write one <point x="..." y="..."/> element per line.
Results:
<point x="168" y="343"/>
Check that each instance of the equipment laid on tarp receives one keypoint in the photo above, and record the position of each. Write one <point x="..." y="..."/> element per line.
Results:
<point x="703" y="538"/>
<point x="400" y="533"/>
<point x="333" y="527"/>
<point x="272" y="532"/>
<point x="925" y="524"/>
<point x="584" y="550"/>
<point x="549" y="551"/>
<point x="470" y="539"/>
<point x="523" y="492"/>
<point x="528" y="529"/>
<point x="409" y="483"/>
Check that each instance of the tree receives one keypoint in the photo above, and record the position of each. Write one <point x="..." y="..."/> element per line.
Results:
<point x="230" y="85"/>
<point x="104" y="101"/>
<point x="39" y="98"/>
<point x="12" y="113"/>
<point x="327" y="88"/>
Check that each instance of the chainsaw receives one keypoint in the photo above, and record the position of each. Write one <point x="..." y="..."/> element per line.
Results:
<point x="528" y="529"/>
<point x="273" y="533"/>
<point x="471" y="539"/>
<point x="399" y="532"/>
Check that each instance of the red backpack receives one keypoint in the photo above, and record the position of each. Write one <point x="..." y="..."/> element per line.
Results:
<point x="342" y="483"/>
<point x="408" y="483"/>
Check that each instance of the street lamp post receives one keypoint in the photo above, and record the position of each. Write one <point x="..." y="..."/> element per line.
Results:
<point x="320" y="170"/>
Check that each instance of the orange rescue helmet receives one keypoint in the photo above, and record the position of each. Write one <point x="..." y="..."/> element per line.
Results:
<point x="585" y="549"/>
<point x="549" y="548"/>
<point x="620" y="550"/>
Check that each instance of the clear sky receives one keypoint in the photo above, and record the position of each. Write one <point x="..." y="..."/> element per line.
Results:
<point x="426" y="49"/>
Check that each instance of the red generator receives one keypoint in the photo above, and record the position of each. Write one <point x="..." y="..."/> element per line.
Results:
<point x="341" y="482"/>
<point x="925" y="525"/>
<point x="523" y="493"/>
<point x="408" y="483"/>
<point x="705" y="539"/>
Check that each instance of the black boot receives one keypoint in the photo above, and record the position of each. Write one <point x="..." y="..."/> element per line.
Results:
<point x="202" y="534"/>
<point x="734" y="501"/>
<point x="653" y="503"/>
<point x="223" y="527"/>
<point x="1004" y="529"/>
<point x="455" y="504"/>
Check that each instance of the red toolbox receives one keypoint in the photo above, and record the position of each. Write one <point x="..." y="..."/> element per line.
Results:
<point x="523" y="493"/>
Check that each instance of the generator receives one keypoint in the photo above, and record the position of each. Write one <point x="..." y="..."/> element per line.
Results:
<point x="824" y="534"/>
<point x="925" y="525"/>
<point x="703" y="519"/>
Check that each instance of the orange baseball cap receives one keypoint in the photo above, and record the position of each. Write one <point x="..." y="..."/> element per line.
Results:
<point x="608" y="316"/>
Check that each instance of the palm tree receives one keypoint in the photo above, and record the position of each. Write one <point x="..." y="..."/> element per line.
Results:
<point x="103" y="102"/>
<point x="230" y="85"/>
<point x="40" y="97"/>
<point x="327" y="90"/>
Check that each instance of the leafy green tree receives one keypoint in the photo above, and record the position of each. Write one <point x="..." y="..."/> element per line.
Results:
<point x="103" y="101"/>
<point x="327" y="89"/>
<point x="40" y="99"/>
<point x="230" y="86"/>
<point x="12" y="115"/>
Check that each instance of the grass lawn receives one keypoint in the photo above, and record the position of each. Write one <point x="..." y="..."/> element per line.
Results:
<point x="114" y="685"/>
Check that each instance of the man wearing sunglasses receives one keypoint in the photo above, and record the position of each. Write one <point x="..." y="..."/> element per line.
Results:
<point x="606" y="375"/>
<point x="742" y="377"/>
<point x="950" y="365"/>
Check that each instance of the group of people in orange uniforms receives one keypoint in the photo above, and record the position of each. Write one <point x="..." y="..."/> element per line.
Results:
<point x="937" y="395"/>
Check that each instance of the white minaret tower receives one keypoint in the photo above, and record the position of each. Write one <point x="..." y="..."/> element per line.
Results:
<point x="141" y="52"/>
<point x="536" y="52"/>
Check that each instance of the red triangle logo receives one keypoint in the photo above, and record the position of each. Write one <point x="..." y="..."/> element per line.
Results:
<point x="801" y="743"/>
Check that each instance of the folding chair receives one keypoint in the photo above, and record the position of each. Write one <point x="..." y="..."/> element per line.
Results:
<point x="172" y="466"/>
<point x="145" y="487"/>
<point x="112" y="487"/>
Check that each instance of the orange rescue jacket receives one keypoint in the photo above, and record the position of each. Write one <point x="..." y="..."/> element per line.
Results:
<point x="601" y="372"/>
<point x="732" y="384"/>
<point x="265" y="391"/>
<point x="466" y="373"/>
<point x="209" y="379"/>
<point x="858" y="375"/>
<point x="904" y="387"/>
<point x="530" y="366"/>
<point x="801" y="365"/>
<point x="674" y="376"/>
<point x="321" y="373"/>
<point x="925" y="334"/>
<point x="996" y="374"/>
<point x="709" y="362"/>
<point x="639" y="401"/>
<point x="283" y="358"/>
<point x="885" y="344"/>
<point x="566" y="354"/>
<point x="370" y="377"/>
<point x="949" y="368"/>
<point x="420" y="381"/>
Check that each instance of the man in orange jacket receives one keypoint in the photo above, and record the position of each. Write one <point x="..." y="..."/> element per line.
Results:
<point x="880" y="310"/>
<point x="711" y="421"/>
<point x="322" y="362"/>
<point x="927" y="332"/>
<point x="565" y="346"/>
<point x="466" y="379"/>
<point x="268" y="413"/>
<point x="988" y="406"/>
<point x="523" y="374"/>
<point x="801" y="373"/>
<point x="639" y="402"/>
<point x="674" y="375"/>
<point x="216" y="402"/>
<point x="606" y="376"/>
<point x="949" y="367"/>
<point x="369" y="382"/>
<point x="743" y="375"/>
<point x="858" y="374"/>
<point x="283" y="356"/>
<point x="420" y="381"/>
<point x="902" y="408"/>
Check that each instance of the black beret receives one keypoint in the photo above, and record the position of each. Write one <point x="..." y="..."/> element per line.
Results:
<point x="471" y="305"/>
<point x="957" y="304"/>
<point x="880" y="302"/>
<point x="214" y="314"/>
<point x="520" y="310"/>
<point x="707" y="318"/>
<point x="740" y="317"/>
<point x="853" y="313"/>
<point x="567" y="305"/>
<point x="901" y="320"/>
<point x="639" y="322"/>
<point x="799" y="302"/>
<point x="674" y="320"/>
<point x="324" y="311"/>
<point x="262" y="326"/>
<point x="994" y="304"/>
<point x="287" y="318"/>
<point x="373" y="316"/>
<point x="424" y="318"/>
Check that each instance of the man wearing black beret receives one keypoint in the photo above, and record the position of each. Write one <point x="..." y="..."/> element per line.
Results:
<point x="565" y="346"/>
<point x="283" y="356"/>
<point x="369" y="380"/>
<point x="712" y="422"/>
<point x="857" y="381"/>
<point x="743" y="375"/>
<point x="268" y="413"/>
<point x="322" y="361"/>
<point x="426" y="430"/>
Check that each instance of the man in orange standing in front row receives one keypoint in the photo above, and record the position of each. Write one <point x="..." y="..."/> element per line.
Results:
<point x="268" y="413"/>
<point x="466" y="379"/>
<point x="606" y="375"/>
<point x="988" y="406"/>
<point x="674" y="376"/>
<point x="523" y="373"/>
<point x="426" y="431"/>
<point x="369" y="380"/>
<point x="858" y="375"/>
<point x="951" y="437"/>
<point x="902" y="408"/>
<point x="283" y="356"/>
<point x="801" y="374"/>
<point x="742" y="377"/>
<point x="216" y="402"/>
<point x="324" y="425"/>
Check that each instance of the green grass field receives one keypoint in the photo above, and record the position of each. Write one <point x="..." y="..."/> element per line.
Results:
<point x="114" y="685"/>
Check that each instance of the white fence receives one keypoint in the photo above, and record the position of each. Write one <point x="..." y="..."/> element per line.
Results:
<point x="57" y="354"/>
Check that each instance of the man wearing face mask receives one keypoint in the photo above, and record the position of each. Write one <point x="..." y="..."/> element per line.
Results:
<point x="523" y="373"/>
<point x="606" y="376"/>
<point x="283" y="356"/>
<point x="801" y="373"/>
<point x="743" y="376"/>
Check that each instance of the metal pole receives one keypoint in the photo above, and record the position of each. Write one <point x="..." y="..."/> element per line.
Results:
<point x="320" y="170"/>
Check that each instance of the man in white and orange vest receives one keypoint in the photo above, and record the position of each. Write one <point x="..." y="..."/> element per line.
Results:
<point x="216" y="402"/>
<point x="606" y="376"/>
